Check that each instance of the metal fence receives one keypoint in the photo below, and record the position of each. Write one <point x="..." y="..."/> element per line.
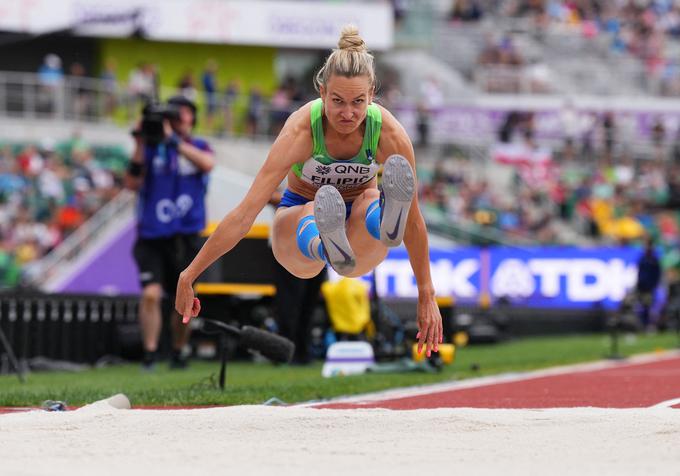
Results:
<point x="77" y="98"/>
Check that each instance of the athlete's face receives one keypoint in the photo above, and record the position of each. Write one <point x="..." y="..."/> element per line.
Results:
<point x="345" y="101"/>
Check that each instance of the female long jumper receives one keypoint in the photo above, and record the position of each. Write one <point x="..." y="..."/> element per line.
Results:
<point x="332" y="212"/>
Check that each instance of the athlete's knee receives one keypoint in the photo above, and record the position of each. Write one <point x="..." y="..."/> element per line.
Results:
<point x="308" y="209"/>
<point x="307" y="273"/>
<point x="371" y="194"/>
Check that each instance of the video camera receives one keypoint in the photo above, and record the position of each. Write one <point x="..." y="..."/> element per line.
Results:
<point x="153" y="114"/>
<point x="151" y="128"/>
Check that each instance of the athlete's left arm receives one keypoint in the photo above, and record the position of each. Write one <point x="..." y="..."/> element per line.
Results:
<point x="395" y="140"/>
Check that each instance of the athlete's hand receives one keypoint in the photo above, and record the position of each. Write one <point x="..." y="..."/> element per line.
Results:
<point x="186" y="304"/>
<point x="430" y="330"/>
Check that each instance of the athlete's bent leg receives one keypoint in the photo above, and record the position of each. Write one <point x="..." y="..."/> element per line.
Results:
<point x="285" y="241"/>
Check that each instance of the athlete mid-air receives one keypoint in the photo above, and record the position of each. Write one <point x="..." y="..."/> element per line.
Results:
<point x="332" y="211"/>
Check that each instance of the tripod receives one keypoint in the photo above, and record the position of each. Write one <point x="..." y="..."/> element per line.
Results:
<point x="10" y="355"/>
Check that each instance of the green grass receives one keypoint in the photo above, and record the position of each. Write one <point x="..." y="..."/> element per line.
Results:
<point x="250" y="383"/>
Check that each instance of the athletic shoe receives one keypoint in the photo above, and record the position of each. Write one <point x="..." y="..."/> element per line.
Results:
<point x="398" y="187"/>
<point x="329" y="214"/>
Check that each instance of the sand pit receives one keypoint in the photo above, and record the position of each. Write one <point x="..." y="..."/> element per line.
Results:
<point x="102" y="440"/>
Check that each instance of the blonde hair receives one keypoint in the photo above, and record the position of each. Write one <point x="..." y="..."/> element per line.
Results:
<point x="350" y="59"/>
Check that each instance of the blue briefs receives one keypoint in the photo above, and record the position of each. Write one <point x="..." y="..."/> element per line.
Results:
<point x="291" y="199"/>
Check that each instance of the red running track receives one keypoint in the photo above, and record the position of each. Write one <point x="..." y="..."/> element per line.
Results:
<point x="623" y="385"/>
<point x="620" y="386"/>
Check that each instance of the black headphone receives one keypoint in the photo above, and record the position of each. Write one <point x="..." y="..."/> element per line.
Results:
<point x="180" y="100"/>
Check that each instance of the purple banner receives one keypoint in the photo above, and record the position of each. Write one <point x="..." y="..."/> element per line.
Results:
<point x="480" y="123"/>
<point x="112" y="271"/>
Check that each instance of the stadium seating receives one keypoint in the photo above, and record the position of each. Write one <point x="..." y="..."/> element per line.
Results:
<point x="47" y="191"/>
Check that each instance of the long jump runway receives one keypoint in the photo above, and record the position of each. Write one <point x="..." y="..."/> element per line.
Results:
<point x="596" y="419"/>
<point x="640" y="383"/>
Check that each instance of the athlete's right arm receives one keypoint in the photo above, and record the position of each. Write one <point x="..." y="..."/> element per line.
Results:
<point x="293" y="145"/>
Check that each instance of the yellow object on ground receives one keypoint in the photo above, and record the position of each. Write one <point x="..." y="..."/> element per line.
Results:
<point x="348" y="305"/>
<point x="447" y="352"/>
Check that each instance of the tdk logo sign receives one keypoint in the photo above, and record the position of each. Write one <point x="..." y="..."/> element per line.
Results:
<point x="540" y="277"/>
<point x="513" y="279"/>
<point x="579" y="279"/>
<point x="395" y="278"/>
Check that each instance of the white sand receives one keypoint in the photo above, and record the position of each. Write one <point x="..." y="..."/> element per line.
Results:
<point x="101" y="440"/>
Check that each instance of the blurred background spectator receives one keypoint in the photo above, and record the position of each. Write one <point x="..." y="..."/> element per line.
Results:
<point x="47" y="190"/>
<point x="648" y="279"/>
<point x="210" y="90"/>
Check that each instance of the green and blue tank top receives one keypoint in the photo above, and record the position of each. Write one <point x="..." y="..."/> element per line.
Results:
<point x="322" y="169"/>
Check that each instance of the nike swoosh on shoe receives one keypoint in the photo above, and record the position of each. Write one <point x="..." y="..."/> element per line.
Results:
<point x="394" y="234"/>
<point x="348" y="258"/>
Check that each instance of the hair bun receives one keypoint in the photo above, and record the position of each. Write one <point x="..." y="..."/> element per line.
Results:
<point x="350" y="39"/>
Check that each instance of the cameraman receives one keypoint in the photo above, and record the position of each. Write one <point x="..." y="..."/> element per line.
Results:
<point x="170" y="169"/>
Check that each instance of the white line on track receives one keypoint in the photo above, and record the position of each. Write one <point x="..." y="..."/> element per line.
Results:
<point x="495" y="379"/>
<point x="667" y="404"/>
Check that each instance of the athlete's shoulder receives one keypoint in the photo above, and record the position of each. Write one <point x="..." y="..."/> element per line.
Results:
<point x="299" y="121"/>
<point x="390" y="124"/>
<point x="294" y="143"/>
<point x="393" y="136"/>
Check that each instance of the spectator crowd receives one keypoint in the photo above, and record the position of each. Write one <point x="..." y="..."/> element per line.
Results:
<point x="227" y="109"/>
<point x="589" y="186"/>
<point x="647" y="30"/>
<point x="46" y="192"/>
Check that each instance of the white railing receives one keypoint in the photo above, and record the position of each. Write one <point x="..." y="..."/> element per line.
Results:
<point x="80" y="98"/>
<point x="42" y="271"/>
<point x="90" y="99"/>
<point x="22" y="94"/>
<point x="512" y="80"/>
